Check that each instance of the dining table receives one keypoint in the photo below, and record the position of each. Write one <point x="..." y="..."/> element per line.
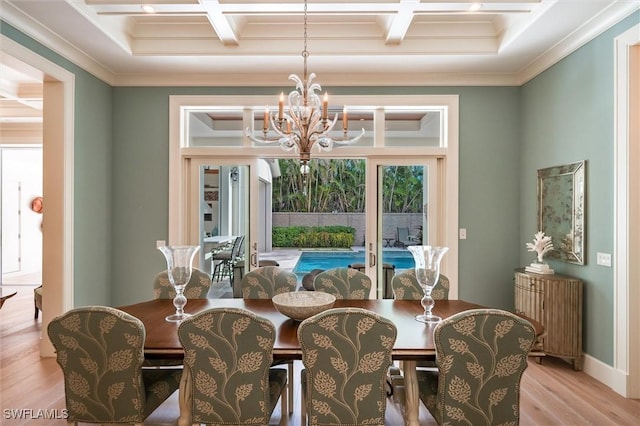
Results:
<point x="414" y="339"/>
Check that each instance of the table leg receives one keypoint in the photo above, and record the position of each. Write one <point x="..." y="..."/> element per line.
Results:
<point x="184" y="398"/>
<point x="412" y="395"/>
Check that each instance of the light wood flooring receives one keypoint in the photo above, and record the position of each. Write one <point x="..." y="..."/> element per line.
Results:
<point x="552" y="393"/>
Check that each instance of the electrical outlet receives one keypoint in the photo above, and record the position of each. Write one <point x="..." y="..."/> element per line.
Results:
<point x="463" y="233"/>
<point x="160" y="243"/>
<point x="604" y="259"/>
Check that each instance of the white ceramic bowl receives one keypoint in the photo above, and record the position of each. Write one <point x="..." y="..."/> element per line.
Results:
<point x="300" y="305"/>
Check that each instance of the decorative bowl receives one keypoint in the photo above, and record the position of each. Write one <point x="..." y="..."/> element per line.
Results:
<point x="300" y="305"/>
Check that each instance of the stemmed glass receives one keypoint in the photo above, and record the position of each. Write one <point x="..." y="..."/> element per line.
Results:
<point x="427" y="259"/>
<point x="179" y="260"/>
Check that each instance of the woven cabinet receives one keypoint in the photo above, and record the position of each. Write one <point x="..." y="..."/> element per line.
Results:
<point x="555" y="301"/>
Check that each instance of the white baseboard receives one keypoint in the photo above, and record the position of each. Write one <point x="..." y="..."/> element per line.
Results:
<point x="606" y="374"/>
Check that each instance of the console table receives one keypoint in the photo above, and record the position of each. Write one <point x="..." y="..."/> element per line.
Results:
<point x="555" y="301"/>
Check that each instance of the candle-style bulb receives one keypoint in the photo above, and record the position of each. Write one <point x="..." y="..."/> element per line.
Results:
<point x="325" y="106"/>
<point x="345" y="119"/>
<point x="281" y="106"/>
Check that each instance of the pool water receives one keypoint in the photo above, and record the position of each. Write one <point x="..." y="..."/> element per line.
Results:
<point x="310" y="260"/>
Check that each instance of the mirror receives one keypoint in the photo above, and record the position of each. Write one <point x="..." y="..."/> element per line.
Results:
<point x="561" y="215"/>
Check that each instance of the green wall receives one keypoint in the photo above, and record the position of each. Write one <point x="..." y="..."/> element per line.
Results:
<point x="92" y="176"/>
<point x="568" y="116"/>
<point x="506" y="134"/>
<point x="489" y="191"/>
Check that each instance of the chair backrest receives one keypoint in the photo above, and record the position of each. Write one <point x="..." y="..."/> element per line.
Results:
<point x="405" y="287"/>
<point x="388" y="271"/>
<point x="228" y="352"/>
<point x="346" y="353"/>
<point x="481" y="355"/>
<point x="343" y="283"/>
<point x="236" y="250"/>
<point x="267" y="281"/>
<point x="197" y="287"/>
<point x="100" y="350"/>
<point x="403" y="233"/>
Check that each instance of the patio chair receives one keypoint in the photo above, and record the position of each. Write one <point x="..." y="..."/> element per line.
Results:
<point x="226" y="259"/>
<point x="100" y="351"/>
<point x="229" y="352"/>
<point x="403" y="238"/>
<point x="346" y="353"/>
<point x="481" y="355"/>
<point x="343" y="283"/>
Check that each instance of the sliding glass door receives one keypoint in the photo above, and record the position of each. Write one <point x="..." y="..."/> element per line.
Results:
<point x="397" y="186"/>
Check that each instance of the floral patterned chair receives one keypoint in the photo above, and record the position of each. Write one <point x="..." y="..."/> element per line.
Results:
<point x="197" y="287"/>
<point x="346" y="353"/>
<point x="100" y="351"/>
<point x="343" y="283"/>
<point x="405" y="287"/>
<point x="264" y="283"/>
<point x="481" y="355"/>
<point x="267" y="281"/>
<point x="229" y="352"/>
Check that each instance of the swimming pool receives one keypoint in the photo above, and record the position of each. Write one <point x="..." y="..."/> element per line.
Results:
<point x="310" y="260"/>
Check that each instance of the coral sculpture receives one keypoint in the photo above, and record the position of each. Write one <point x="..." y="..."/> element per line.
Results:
<point x="541" y="245"/>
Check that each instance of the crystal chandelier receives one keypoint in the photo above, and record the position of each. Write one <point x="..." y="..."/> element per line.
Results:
<point x="306" y="123"/>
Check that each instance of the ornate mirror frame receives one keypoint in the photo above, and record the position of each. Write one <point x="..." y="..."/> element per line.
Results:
<point x="561" y="214"/>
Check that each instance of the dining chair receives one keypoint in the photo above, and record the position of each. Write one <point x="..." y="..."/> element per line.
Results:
<point x="405" y="287"/>
<point x="343" y="283"/>
<point x="388" y="272"/>
<point x="228" y="353"/>
<point x="481" y="355"/>
<point x="345" y="353"/>
<point x="267" y="281"/>
<point x="264" y="283"/>
<point x="197" y="287"/>
<point x="239" y="270"/>
<point x="100" y="351"/>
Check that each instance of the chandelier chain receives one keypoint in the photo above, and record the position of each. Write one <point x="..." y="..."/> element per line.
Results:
<point x="305" y="52"/>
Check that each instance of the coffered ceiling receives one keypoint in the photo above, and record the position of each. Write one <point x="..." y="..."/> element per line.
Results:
<point x="260" y="42"/>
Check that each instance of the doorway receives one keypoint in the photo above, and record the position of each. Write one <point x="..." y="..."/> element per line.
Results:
<point x="21" y="179"/>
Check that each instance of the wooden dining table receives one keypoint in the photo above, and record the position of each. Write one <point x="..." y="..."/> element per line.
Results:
<point x="414" y="339"/>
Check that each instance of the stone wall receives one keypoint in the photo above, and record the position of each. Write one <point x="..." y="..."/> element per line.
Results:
<point x="391" y="222"/>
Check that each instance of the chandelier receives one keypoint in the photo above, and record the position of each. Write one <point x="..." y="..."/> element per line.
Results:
<point x="306" y="122"/>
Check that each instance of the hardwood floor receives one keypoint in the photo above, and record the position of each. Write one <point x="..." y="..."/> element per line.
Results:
<point x="552" y="393"/>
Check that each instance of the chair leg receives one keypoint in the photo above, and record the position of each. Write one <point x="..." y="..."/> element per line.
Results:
<point x="35" y="315"/>
<point x="290" y="386"/>
<point x="284" y="411"/>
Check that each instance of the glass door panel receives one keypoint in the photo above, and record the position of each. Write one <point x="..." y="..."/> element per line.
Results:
<point x="406" y="197"/>
<point x="219" y="217"/>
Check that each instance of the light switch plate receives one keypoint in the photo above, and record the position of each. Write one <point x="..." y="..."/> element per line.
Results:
<point x="463" y="233"/>
<point x="604" y="259"/>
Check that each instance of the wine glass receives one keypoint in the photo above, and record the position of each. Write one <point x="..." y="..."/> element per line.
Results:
<point x="179" y="268"/>
<point x="427" y="259"/>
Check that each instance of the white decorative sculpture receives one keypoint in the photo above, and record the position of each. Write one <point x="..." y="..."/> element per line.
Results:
<point x="542" y="245"/>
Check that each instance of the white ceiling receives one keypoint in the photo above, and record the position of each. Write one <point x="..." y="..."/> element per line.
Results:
<point x="259" y="42"/>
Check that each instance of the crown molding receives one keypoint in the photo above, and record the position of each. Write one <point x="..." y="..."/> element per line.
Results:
<point x="577" y="39"/>
<point x="25" y="24"/>
<point x="598" y="25"/>
<point x="326" y="79"/>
